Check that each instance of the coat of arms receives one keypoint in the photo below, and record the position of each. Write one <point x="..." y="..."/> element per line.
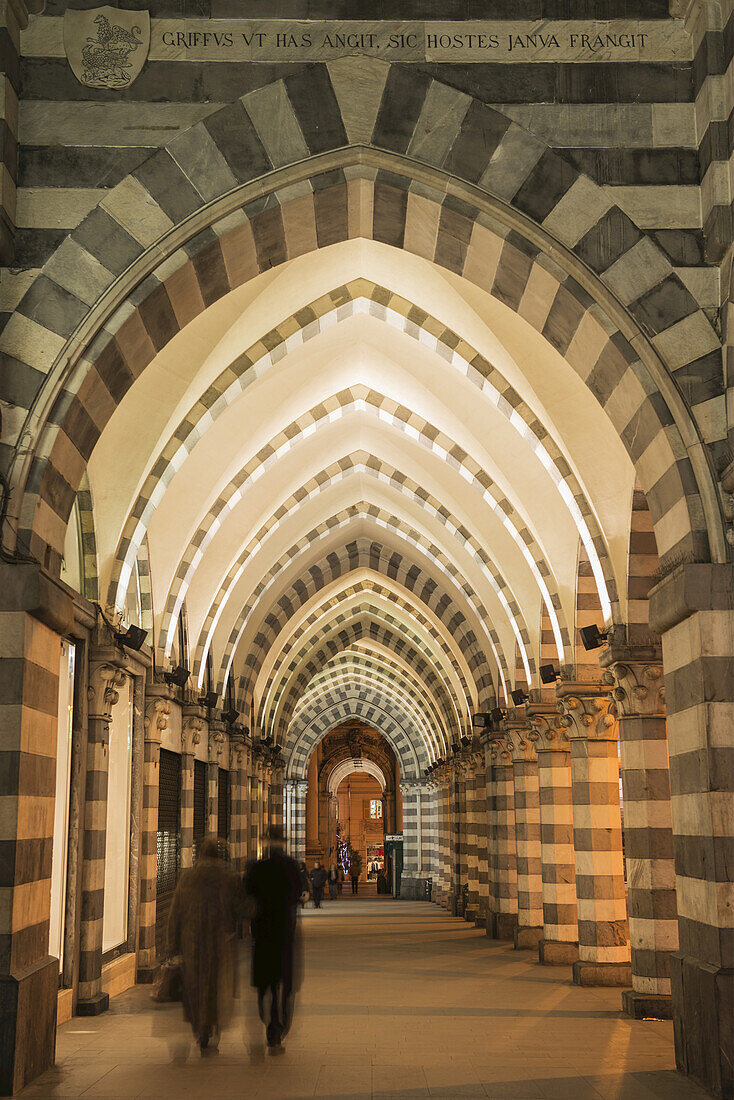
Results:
<point x="106" y="47"/>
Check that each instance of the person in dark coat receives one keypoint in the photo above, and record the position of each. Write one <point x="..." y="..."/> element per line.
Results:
<point x="273" y="885"/>
<point x="333" y="879"/>
<point x="201" y="928"/>
<point x="305" y="883"/>
<point x="318" y="882"/>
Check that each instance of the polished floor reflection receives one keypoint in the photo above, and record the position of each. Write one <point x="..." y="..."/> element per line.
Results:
<point x="400" y="1000"/>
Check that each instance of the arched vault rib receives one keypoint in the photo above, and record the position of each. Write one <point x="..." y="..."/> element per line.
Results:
<point x="360" y="553"/>
<point x="336" y="674"/>
<point x="412" y="755"/>
<point x="320" y="641"/>
<point x="381" y="691"/>
<point x="332" y="474"/>
<point x="372" y="403"/>
<point x="383" y="601"/>
<point x="358" y="665"/>
<point x="398" y="312"/>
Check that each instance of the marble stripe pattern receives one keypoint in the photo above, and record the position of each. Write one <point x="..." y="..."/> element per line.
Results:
<point x="666" y="311"/>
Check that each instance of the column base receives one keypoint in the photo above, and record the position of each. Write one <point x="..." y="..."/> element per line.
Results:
<point x="146" y="975"/>
<point x="704" y="1038"/>
<point x="93" y="1006"/>
<point x="470" y="915"/>
<point x="647" y="1006"/>
<point x="501" y="926"/>
<point x="28" y="1022"/>
<point x="557" y="953"/>
<point x="526" y="937"/>
<point x="601" y="973"/>
<point x="412" y="888"/>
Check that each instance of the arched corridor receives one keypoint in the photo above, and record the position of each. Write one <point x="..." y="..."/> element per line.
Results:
<point x="369" y="413"/>
<point x="400" y="1001"/>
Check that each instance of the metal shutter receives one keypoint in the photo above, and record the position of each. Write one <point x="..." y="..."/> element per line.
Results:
<point x="169" y="841"/>
<point x="200" y="802"/>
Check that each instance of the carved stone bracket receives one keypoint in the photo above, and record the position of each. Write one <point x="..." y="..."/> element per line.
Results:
<point x="550" y="730"/>
<point x="157" y="711"/>
<point x="192" y="729"/>
<point x="102" y="693"/>
<point x="217" y="739"/>
<point x="587" y="710"/>
<point x="635" y="674"/>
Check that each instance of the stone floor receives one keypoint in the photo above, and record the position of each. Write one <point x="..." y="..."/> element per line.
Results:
<point x="400" y="1000"/>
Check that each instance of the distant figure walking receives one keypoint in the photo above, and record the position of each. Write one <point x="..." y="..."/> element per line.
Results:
<point x="318" y="882"/>
<point x="354" y="876"/>
<point x="305" y="883"/>
<point x="274" y="885"/>
<point x="201" y="928"/>
<point x="333" y="880"/>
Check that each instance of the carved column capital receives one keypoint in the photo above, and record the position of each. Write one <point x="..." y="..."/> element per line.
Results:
<point x="105" y="679"/>
<point x="521" y="741"/>
<point x="409" y="786"/>
<point x="192" y="728"/>
<point x="635" y="674"/>
<point x="548" y="724"/>
<point x="216" y="744"/>
<point x="157" y="710"/>
<point x="301" y="786"/>
<point x="587" y="710"/>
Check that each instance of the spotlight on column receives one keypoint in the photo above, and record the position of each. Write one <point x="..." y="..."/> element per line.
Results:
<point x="230" y="716"/>
<point x="133" y="637"/>
<point x="482" y="720"/>
<point x="519" y="697"/>
<point x="548" y="674"/>
<point x="592" y="637"/>
<point x="497" y="714"/>
<point x="209" y="700"/>
<point x="455" y="747"/>
<point x="177" y="677"/>
<point x="267" y="741"/>
<point x="465" y="742"/>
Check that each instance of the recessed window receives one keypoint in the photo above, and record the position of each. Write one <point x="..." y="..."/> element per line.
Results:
<point x="375" y="809"/>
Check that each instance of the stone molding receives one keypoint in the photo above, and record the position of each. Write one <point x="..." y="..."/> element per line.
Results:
<point x="217" y="738"/>
<point x="192" y="727"/>
<point x="550" y="729"/>
<point x="158" y="706"/>
<point x="691" y="588"/>
<point x="587" y="710"/>
<point x="635" y="674"/>
<point x="105" y="679"/>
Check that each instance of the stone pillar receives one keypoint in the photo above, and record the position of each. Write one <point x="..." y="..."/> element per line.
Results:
<point x="470" y="831"/>
<point x="480" y="838"/>
<point x="521" y="740"/>
<point x="504" y="919"/>
<point x="105" y="677"/>
<point x="193" y="728"/>
<point x="238" y="802"/>
<point x="157" y="710"/>
<point x="488" y="885"/>
<point x="35" y="612"/>
<point x="297" y="839"/>
<point x="216" y="748"/>
<point x="276" y="794"/>
<point x="636" y="673"/>
<point x="13" y="19"/>
<point x="693" y="609"/>
<point x="442" y="775"/>
<point x="604" y="952"/>
<point x="409" y="883"/>
<point x="559" y="945"/>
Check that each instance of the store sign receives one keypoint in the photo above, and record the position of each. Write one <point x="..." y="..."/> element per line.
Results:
<point x="393" y="836"/>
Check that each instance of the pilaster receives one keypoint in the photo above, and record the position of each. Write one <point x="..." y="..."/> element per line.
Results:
<point x="504" y="918"/>
<point x="157" y="709"/>
<point x="193" y="729"/>
<point x="604" y="952"/>
<point x="521" y="742"/>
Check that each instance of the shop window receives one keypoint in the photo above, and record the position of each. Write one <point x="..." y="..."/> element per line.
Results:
<point x="117" y="855"/>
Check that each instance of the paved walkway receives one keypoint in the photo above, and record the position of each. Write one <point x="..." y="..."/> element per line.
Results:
<point x="399" y="1001"/>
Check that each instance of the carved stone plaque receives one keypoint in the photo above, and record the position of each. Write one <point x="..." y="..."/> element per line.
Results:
<point x="106" y="47"/>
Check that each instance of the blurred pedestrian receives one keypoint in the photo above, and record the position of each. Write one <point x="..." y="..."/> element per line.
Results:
<point x="333" y="880"/>
<point x="201" y="929"/>
<point x="354" y="876"/>
<point x="274" y="886"/>
<point x="318" y="882"/>
<point x="305" y="883"/>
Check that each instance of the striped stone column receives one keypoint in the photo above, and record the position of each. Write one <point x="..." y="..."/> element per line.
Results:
<point x="458" y="834"/>
<point x="237" y="803"/>
<point x="216" y="748"/>
<point x="254" y="805"/>
<point x="157" y="710"/>
<point x="410" y="791"/>
<point x="193" y="728"/>
<point x="430" y="817"/>
<point x="480" y="833"/>
<point x="693" y="609"/>
<point x="504" y="919"/>
<point x="636" y="674"/>
<point x="105" y="678"/>
<point x="604" y="951"/>
<point x="444" y="858"/>
<point x="276" y="794"/>
<point x="13" y="19"/>
<point x="491" y="892"/>
<point x="298" y="819"/>
<point x="559" y="945"/>
<point x="521" y="740"/>
<point x="34" y="613"/>
<point x="472" y="866"/>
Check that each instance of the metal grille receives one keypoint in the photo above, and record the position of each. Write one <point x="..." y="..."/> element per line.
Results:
<point x="200" y="802"/>
<point x="223" y="805"/>
<point x="168" y="841"/>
